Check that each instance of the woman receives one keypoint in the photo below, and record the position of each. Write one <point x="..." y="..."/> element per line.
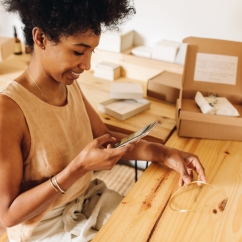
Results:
<point x="51" y="139"/>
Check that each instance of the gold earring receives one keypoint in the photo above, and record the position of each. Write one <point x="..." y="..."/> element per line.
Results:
<point x="43" y="47"/>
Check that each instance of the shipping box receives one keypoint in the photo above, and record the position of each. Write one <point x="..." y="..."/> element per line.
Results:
<point x="116" y="41"/>
<point x="211" y="67"/>
<point x="123" y="108"/>
<point x="123" y="90"/>
<point x="165" y="86"/>
<point x="107" y="70"/>
<point x="126" y="100"/>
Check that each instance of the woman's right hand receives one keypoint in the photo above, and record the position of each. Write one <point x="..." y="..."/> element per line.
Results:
<point x="95" y="156"/>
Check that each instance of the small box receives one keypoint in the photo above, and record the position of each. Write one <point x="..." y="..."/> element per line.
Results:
<point x="120" y="90"/>
<point x="165" y="86"/>
<point x="107" y="70"/>
<point x="123" y="108"/>
<point x="6" y="47"/>
<point x="116" y="42"/>
<point x="142" y="51"/>
<point x="165" y="50"/>
<point x="212" y="67"/>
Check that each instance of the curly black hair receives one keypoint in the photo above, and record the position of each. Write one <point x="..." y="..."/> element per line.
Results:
<point x="59" y="18"/>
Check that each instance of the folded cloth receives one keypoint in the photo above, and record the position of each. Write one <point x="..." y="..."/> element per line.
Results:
<point x="81" y="219"/>
<point x="87" y="214"/>
<point x="215" y="105"/>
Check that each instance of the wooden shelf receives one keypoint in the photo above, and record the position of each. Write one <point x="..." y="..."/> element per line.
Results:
<point x="135" y="67"/>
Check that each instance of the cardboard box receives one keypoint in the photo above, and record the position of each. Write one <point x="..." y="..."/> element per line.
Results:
<point x="211" y="67"/>
<point x="6" y="47"/>
<point x="165" y="86"/>
<point x="107" y="70"/>
<point x="116" y="42"/>
<point x="120" y="90"/>
<point x="123" y="108"/>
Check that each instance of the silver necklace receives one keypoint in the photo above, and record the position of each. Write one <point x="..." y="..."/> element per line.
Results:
<point x="43" y="95"/>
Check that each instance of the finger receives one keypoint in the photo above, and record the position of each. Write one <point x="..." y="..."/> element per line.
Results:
<point x="202" y="178"/>
<point x="196" y="165"/>
<point x="180" y="182"/>
<point x="122" y="150"/>
<point x="185" y="178"/>
<point x="201" y="172"/>
<point x="190" y="173"/>
<point x="104" y="139"/>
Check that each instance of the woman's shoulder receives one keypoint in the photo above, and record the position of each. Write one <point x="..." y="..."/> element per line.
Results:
<point x="8" y="106"/>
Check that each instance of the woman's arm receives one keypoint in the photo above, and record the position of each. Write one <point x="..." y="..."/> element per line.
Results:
<point x="182" y="162"/>
<point x="17" y="207"/>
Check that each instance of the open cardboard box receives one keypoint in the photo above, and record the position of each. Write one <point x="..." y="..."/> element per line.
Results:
<point x="165" y="86"/>
<point x="219" y="55"/>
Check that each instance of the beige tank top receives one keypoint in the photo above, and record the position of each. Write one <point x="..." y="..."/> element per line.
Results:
<point x="58" y="134"/>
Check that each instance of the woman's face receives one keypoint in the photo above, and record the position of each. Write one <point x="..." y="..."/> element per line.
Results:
<point x="66" y="60"/>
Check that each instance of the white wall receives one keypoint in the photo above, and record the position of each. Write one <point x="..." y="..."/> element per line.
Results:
<point x="171" y="20"/>
<point x="177" y="19"/>
<point x="7" y="21"/>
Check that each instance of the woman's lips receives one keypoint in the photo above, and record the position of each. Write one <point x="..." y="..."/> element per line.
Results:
<point x="74" y="75"/>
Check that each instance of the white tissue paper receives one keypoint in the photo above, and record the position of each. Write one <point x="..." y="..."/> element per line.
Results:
<point x="215" y="105"/>
<point x="202" y="103"/>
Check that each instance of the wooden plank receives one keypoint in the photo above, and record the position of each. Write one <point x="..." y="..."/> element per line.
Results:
<point x="224" y="172"/>
<point x="4" y="237"/>
<point x="144" y="214"/>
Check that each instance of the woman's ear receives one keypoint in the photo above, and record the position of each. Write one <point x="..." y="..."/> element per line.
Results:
<point x="39" y="37"/>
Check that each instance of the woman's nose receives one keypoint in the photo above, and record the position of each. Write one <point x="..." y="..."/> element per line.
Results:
<point x="85" y="63"/>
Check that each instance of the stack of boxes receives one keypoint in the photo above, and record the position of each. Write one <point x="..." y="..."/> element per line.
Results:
<point x="126" y="100"/>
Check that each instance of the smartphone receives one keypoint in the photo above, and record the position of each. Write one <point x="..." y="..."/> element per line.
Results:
<point x="136" y="135"/>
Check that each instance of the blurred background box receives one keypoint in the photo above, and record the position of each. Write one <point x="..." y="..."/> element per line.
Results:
<point x="122" y="109"/>
<point x="165" y="50"/>
<point x="142" y="51"/>
<point x="126" y="100"/>
<point x="6" y="47"/>
<point x="107" y="70"/>
<point x="116" y="42"/>
<point x="165" y="86"/>
<point x="120" y="90"/>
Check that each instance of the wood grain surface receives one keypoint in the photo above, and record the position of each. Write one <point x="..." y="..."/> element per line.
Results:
<point x="144" y="214"/>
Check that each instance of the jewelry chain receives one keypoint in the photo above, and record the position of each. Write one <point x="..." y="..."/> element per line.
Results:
<point x="43" y="95"/>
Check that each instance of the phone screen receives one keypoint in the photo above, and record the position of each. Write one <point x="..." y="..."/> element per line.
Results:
<point x="136" y="135"/>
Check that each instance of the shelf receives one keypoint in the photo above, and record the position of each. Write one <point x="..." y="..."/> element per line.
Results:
<point x="136" y="67"/>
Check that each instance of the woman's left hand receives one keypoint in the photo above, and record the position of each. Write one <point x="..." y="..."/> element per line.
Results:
<point x="185" y="164"/>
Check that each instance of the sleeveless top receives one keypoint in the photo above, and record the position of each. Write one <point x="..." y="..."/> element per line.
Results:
<point x="58" y="134"/>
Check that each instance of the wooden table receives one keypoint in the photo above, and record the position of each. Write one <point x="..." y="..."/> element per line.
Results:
<point x="145" y="215"/>
<point x="97" y="90"/>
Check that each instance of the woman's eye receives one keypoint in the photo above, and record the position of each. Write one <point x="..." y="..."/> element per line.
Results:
<point x="78" y="53"/>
